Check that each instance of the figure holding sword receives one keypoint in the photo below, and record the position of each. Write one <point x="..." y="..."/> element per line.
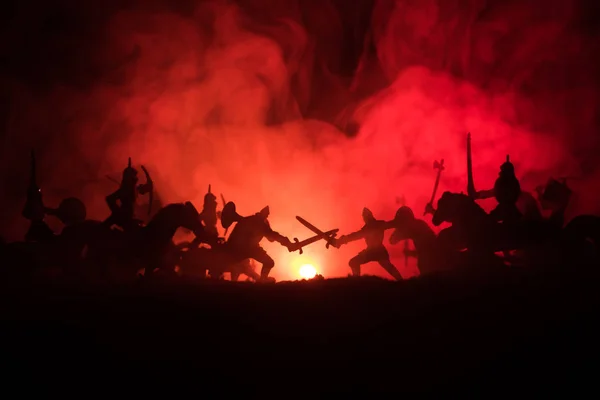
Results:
<point x="373" y="233"/>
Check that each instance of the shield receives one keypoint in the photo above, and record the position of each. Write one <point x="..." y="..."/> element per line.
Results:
<point x="229" y="215"/>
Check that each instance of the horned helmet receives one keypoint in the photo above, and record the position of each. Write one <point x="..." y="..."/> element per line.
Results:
<point x="129" y="173"/>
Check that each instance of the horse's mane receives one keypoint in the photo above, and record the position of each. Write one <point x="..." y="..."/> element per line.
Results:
<point x="467" y="204"/>
<point x="166" y="213"/>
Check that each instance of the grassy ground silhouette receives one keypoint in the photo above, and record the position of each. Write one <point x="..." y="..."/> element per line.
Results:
<point x="497" y="330"/>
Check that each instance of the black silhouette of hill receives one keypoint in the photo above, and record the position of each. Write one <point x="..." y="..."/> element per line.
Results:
<point x="487" y="333"/>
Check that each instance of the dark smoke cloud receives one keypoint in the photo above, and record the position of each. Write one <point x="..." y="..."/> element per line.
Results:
<point x="316" y="108"/>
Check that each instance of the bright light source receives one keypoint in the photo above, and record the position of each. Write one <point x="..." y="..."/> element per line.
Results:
<point x="307" y="271"/>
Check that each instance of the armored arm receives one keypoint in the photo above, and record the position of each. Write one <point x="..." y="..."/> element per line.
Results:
<point x="352" y="237"/>
<point x="273" y="236"/>
<point x="389" y="224"/>
<point x="484" y="194"/>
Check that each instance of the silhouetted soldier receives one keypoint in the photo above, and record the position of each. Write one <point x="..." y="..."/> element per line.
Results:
<point x="244" y="241"/>
<point x="74" y="235"/>
<point x="424" y="238"/>
<point x="34" y="210"/>
<point x="372" y="232"/>
<point x="555" y="196"/>
<point x="208" y="216"/>
<point x="122" y="201"/>
<point x="506" y="191"/>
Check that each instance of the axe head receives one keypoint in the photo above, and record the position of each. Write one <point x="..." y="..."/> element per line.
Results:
<point x="439" y="165"/>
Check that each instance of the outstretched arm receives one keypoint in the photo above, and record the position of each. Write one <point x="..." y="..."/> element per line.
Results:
<point x="273" y="236"/>
<point x="351" y="237"/>
<point x="485" y="194"/>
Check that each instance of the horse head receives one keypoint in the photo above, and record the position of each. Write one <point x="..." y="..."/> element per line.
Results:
<point x="446" y="209"/>
<point x="190" y="218"/>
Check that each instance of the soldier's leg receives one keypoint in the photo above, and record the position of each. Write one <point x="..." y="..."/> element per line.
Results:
<point x="382" y="257"/>
<point x="390" y="268"/>
<point x="267" y="262"/>
<point x="246" y="267"/>
<point x="358" y="260"/>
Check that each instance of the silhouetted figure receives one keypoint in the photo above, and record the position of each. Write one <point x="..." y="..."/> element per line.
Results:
<point x="507" y="191"/>
<point x="208" y="216"/>
<point x="244" y="241"/>
<point x="76" y="231"/>
<point x="429" y="257"/>
<point x="372" y="232"/>
<point x="156" y="238"/>
<point x="122" y="202"/>
<point x="555" y="196"/>
<point x="34" y="210"/>
<point x="472" y="228"/>
<point x="529" y="207"/>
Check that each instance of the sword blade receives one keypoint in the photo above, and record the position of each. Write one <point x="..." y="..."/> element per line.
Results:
<point x="315" y="238"/>
<point x="316" y="230"/>
<point x="309" y="225"/>
<point x="470" y="182"/>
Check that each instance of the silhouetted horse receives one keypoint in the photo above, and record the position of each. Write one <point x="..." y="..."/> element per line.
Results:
<point x="541" y="242"/>
<point x="25" y="258"/>
<point x="471" y="228"/>
<point x="150" y="246"/>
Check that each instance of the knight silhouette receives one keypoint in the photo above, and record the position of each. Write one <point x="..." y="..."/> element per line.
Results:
<point x="122" y="202"/>
<point x="208" y="215"/>
<point x="372" y="232"/>
<point x="72" y="239"/>
<point x="34" y="209"/>
<point x="407" y="226"/>
<point x="507" y="191"/>
<point x="244" y="240"/>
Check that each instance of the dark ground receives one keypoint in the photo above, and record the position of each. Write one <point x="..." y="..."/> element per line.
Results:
<point x="497" y="333"/>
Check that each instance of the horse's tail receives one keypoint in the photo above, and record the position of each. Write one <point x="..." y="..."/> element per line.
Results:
<point x="584" y="227"/>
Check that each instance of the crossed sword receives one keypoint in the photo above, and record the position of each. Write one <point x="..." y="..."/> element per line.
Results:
<point x="298" y="245"/>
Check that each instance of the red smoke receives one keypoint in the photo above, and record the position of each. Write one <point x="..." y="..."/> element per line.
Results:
<point x="250" y="98"/>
